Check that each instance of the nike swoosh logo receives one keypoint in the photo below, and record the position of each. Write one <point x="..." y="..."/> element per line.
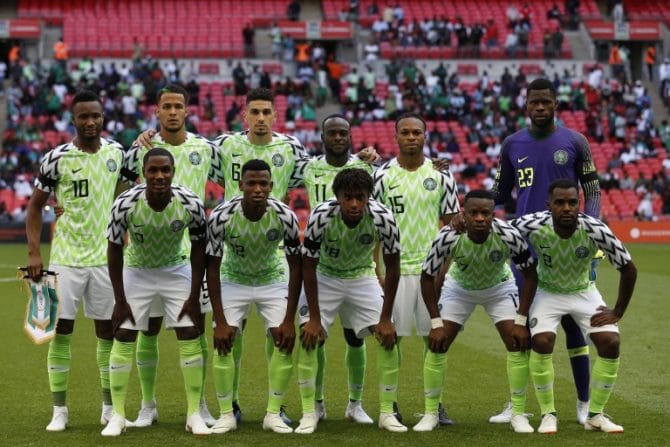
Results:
<point x="136" y="226"/>
<point x="544" y="247"/>
<point x="234" y="237"/>
<point x="521" y="160"/>
<point x="333" y="240"/>
<point x="74" y="171"/>
<point x="237" y="155"/>
<point x="391" y="188"/>
<point x="113" y="367"/>
<point x="318" y="175"/>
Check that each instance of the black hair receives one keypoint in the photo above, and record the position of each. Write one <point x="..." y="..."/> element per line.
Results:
<point x="260" y="94"/>
<point x="541" y="84"/>
<point x="563" y="183"/>
<point x="84" y="96"/>
<point x="256" y="165"/>
<point x="410" y="115"/>
<point x="157" y="152"/>
<point x="173" y="88"/>
<point x="352" y="179"/>
<point x="479" y="194"/>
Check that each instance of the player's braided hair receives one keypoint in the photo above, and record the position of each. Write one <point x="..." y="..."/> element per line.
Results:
<point x="352" y="179"/>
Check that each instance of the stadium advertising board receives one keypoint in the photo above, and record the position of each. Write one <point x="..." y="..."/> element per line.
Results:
<point x="638" y="30"/>
<point x="20" y="29"/>
<point x="316" y="30"/>
<point x="644" y="232"/>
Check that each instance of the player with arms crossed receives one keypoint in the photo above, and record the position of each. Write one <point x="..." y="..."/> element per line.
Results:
<point x="196" y="161"/>
<point x="565" y="242"/>
<point x="318" y="177"/>
<point x="155" y="216"/>
<point x="83" y="174"/>
<point x="421" y="199"/>
<point x="339" y="278"/>
<point x="530" y="160"/>
<point x="251" y="227"/>
<point x="478" y="274"/>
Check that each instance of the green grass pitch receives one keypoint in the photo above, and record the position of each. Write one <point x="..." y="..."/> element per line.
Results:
<point x="475" y="385"/>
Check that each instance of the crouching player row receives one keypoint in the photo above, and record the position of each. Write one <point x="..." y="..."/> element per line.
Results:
<point x="565" y="242"/>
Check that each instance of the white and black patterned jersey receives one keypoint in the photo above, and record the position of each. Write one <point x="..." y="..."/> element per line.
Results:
<point x="479" y="266"/>
<point x="347" y="252"/>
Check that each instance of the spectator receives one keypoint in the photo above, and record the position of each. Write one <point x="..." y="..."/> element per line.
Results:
<point x="276" y="37"/>
<point x="645" y="209"/>
<point x="19" y="214"/>
<point x="293" y="10"/>
<point x="22" y="187"/>
<point x="248" y="35"/>
<point x="650" y="60"/>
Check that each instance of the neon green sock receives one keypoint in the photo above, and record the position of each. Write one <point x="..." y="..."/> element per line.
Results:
<point x="517" y="375"/>
<point x="58" y="367"/>
<point x="603" y="377"/>
<point x="356" y="358"/>
<point x="542" y="371"/>
<point x="307" y="367"/>
<point x="279" y="374"/>
<point x="204" y="346"/>
<point x="120" y="365"/>
<point x="320" y="371"/>
<point x="146" y="359"/>
<point x="387" y="371"/>
<point x="237" y="358"/>
<point x="190" y="358"/>
<point x="434" y="366"/>
<point x="102" y="351"/>
<point x="269" y="349"/>
<point x="224" y="376"/>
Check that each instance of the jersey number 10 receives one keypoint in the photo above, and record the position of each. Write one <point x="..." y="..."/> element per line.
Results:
<point x="80" y="188"/>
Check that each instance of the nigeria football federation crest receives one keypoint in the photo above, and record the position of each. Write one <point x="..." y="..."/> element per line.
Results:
<point x="277" y="160"/>
<point x="495" y="256"/>
<point x="581" y="252"/>
<point x="111" y="165"/>
<point x="533" y="322"/>
<point x="365" y="239"/>
<point x="304" y="310"/>
<point x="429" y="184"/>
<point x="177" y="225"/>
<point x="194" y="158"/>
<point x="272" y="234"/>
<point x="560" y="157"/>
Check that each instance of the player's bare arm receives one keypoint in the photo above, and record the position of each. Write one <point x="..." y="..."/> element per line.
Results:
<point x="224" y="334"/>
<point x="312" y="331"/>
<point x="627" y="278"/>
<point x="385" y="330"/>
<point x="33" y="231"/>
<point x="520" y="332"/>
<point x="122" y="310"/>
<point x="437" y="337"/>
<point x="191" y="307"/>
<point x="285" y="339"/>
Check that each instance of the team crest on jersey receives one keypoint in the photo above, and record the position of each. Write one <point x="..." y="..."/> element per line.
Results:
<point x="365" y="239"/>
<point x="560" y="157"/>
<point x="177" y="225"/>
<point x="304" y="310"/>
<point x="111" y="165"/>
<point x="495" y="256"/>
<point x="533" y="322"/>
<point x="194" y="158"/>
<point x="277" y="160"/>
<point x="439" y="307"/>
<point x="581" y="252"/>
<point x="272" y="234"/>
<point x="430" y="184"/>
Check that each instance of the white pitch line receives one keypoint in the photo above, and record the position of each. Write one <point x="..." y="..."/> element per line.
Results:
<point x="9" y="279"/>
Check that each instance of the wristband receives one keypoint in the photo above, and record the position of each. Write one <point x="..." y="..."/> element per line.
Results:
<point x="436" y="323"/>
<point x="520" y="320"/>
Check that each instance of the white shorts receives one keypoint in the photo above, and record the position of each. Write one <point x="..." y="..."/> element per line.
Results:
<point x="270" y="300"/>
<point x="548" y="309"/>
<point x="88" y="284"/>
<point x="205" y="305"/>
<point x="500" y="301"/>
<point x="358" y="301"/>
<point x="409" y="308"/>
<point x="169" y="287"/>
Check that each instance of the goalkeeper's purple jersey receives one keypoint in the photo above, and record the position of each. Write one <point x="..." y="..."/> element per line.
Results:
<point x="532" y="164"/>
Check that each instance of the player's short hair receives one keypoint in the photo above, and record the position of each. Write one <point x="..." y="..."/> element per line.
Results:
<point x="563" y="183"/>
<point x="84" y="96"/>
<point x="352" y="179"/>
<point x="173" y="88"/>
<point x="410" y="115"/>
<point x="332" y="117"/>
<point x="260" y="94"/>
<point x="157" y="152"/>
<point x="541" y="84"/>
<point x="255" y="165"/>
<point x="479" y="194"/>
